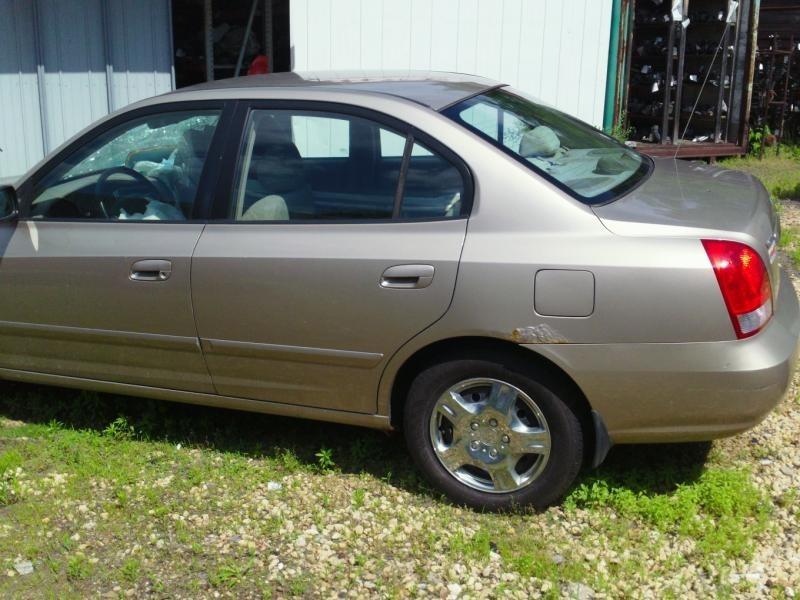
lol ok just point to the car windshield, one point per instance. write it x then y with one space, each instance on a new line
591 166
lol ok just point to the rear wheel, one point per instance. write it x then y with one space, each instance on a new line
490 437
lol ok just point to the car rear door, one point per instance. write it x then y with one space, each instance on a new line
95 275
337 239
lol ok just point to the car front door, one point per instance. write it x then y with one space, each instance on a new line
338 240
94 277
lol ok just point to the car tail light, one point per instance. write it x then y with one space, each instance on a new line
744 282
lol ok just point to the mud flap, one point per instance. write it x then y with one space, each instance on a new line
602 441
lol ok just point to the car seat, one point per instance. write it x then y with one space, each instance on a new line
190 158
278 168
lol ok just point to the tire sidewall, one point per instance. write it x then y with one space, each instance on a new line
566 454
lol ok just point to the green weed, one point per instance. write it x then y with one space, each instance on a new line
9 487
131 570
358 497
722 509
478 546
228 575
325 459
299 586
120 429
78 567
620 131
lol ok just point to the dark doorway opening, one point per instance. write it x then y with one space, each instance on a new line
217 39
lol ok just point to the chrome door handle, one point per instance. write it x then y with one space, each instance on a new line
151 270
407 276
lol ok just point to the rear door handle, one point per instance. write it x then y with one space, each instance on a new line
407 276
151 270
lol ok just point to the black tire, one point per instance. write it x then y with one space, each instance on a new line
566 454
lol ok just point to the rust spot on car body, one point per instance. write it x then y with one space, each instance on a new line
538 334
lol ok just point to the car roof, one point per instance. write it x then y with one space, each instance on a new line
434 89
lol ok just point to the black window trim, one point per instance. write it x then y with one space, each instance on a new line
220 210
208 177
400 190
453 111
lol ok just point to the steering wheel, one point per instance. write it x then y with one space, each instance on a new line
102 183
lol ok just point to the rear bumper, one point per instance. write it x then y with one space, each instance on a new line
686 392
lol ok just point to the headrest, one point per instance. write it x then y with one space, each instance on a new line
279 168
273 129
611 165
195 143
269 208
540 141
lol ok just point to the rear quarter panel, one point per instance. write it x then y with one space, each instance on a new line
654 289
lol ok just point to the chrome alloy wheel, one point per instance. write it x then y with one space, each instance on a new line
490 435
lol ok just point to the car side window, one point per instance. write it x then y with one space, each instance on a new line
323 166
433 187
321 137
393 145
308 165
148 168
483 118
495 123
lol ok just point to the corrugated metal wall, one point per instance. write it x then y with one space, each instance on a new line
57 60
20 124
556 50
140 45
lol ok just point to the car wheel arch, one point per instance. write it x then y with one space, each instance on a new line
486 348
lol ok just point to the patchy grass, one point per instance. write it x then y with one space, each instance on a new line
779 174
722 509
790 243
115 495
10 462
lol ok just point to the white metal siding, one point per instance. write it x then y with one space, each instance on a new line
71 36
20 127
141 49
556 50
75 56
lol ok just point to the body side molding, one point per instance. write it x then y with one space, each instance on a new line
259 406
326 356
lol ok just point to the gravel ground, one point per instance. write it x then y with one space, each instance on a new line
108 511
776 564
